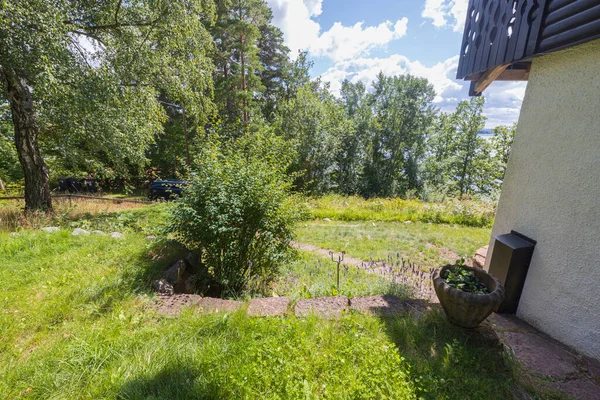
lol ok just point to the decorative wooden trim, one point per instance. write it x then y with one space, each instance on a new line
499 32
487 78
510 74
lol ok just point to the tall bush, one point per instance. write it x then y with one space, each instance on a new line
237 211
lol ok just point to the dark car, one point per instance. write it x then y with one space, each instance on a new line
74 185
166 189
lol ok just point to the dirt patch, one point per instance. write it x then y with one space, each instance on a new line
268 307
326 307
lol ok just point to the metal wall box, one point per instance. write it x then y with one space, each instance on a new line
509 262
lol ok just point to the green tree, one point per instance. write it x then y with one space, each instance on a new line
404 113
83 76
441 147
314 122
354 140
470 147
501 144
460 161
236 33
10 170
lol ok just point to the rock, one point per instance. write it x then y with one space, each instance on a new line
326 220
382 305
268 306
117 235
163 287
150 237
99 233
209 305
51 229
179 275
326 307
174 273
13 234
79 232
479 257
408 222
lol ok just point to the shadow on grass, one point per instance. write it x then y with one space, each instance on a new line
173 382
149 264
448 361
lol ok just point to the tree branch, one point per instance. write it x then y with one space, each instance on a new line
106 27
89 35
117 11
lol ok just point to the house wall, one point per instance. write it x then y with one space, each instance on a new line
551 194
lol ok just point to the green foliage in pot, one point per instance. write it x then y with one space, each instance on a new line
238 212
465 280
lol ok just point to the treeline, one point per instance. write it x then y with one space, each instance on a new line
134 91
387 139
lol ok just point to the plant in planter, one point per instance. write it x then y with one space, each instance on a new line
467 295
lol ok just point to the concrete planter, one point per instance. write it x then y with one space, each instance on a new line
466 309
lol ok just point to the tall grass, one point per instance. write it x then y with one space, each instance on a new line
13 217
451 211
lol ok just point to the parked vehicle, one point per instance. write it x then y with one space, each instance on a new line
74 185
166 189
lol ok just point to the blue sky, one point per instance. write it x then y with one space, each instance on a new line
355 39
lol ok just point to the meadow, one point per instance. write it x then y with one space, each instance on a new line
76 324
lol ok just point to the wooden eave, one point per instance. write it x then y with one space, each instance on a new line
502 37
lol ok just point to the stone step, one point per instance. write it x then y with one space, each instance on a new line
326 307
268 306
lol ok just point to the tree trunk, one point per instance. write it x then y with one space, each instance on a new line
1 184
37 188
243 62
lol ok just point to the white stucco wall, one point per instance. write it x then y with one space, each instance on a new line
551 193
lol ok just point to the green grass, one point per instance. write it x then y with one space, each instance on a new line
74 324
423 243
311 276
451 211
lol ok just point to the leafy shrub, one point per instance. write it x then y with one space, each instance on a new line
238 212
465 280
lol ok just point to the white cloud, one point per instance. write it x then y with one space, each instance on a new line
436 11
340 42
346 42
293 17
315 7
503 99
445 12
366 70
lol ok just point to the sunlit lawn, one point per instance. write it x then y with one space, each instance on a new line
75 324
422 243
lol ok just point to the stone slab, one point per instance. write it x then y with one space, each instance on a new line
209 305
581 389
381 305
480 256
327 307
172 305
509 323
541 356
268 306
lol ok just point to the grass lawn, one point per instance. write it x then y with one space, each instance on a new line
75 324
423 243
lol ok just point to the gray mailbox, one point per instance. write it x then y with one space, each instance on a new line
510 262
